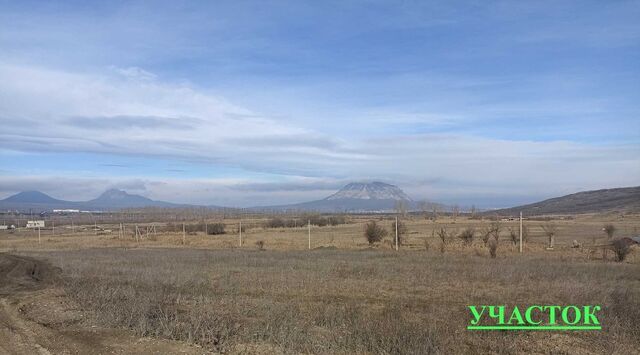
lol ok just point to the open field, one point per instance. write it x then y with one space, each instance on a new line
342 297
586 229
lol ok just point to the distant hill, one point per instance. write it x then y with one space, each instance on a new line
110 200
115 198
36 197
626 199
32 200
356 197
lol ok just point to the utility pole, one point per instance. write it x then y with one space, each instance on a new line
240 233
183 234
521 232
396 233
309 228
38 235
53 227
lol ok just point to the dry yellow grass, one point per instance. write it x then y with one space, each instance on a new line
345 296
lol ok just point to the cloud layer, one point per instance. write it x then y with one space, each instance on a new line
498 104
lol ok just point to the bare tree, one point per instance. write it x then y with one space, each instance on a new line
402 231
456 210
492 230
443 234
401 207
435 213
424 208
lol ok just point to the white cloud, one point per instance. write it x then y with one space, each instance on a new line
47 110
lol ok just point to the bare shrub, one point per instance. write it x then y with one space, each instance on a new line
467 235
493 230
550 231
215 229
336 220
513 236
374 232
486 234
275 222
260 244
443 235
493 247
609 230
621 248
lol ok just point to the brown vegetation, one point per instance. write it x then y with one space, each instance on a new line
374 233
344 301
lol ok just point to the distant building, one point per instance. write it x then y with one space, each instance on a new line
66 211
35 224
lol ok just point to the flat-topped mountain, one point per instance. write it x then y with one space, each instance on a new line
356 197
370 191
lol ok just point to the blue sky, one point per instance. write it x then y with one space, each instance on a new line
255 103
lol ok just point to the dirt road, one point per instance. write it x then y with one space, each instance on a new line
36 317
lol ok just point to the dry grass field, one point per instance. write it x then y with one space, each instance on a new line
344 296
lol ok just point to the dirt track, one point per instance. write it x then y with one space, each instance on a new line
36 317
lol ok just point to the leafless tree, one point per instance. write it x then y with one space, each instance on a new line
402 230
401 207
424 208
456 211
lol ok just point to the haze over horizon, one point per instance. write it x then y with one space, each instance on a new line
256 103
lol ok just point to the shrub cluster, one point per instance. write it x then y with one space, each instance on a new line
467 235
374 232
320 221
210 228
621 248
215 229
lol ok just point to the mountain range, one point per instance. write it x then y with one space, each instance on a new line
354 197
112 199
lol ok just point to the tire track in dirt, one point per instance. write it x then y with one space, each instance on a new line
36 317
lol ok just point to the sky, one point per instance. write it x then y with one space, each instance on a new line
247 103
